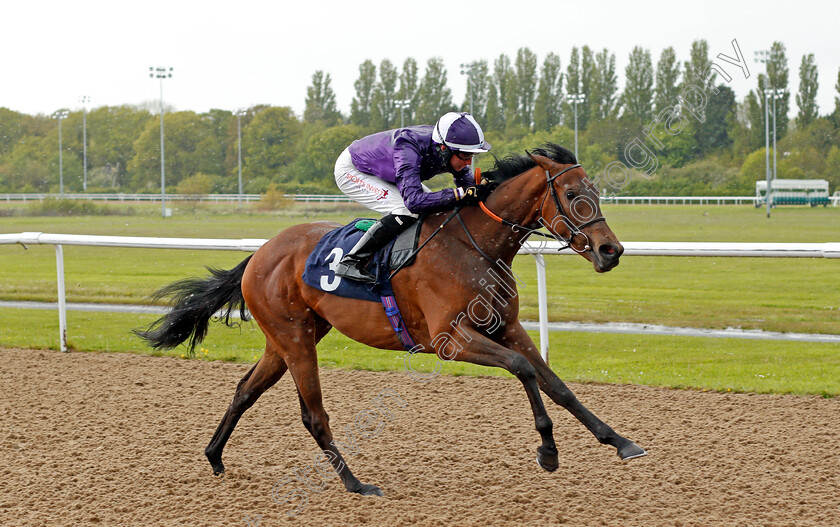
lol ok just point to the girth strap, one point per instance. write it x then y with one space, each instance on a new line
397 322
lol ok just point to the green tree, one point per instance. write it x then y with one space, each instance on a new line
190 148
806 99
112 133
478 85
753 169
604 86
549 94
756 116
324 147
667 77
581 78
270 143
513 125
494 120
638 92
836 115
223 133
832 169
713 133
577 82
698 70
434 96
801 163
28 167
679 149
502 76
360 106
573 85
320 101
819 136
11 129
526 85
777 77
409 82
387 89
198 184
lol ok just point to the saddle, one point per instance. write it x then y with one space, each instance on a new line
397 254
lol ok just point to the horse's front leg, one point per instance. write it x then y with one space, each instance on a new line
518 339
478 349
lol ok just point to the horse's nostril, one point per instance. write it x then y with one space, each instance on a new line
608 250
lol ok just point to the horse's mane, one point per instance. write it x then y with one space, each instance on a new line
513 165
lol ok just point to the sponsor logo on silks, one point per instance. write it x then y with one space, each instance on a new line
365 185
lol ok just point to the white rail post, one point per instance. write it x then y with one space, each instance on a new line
542 301
62 307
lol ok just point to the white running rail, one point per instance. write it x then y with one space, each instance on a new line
536 249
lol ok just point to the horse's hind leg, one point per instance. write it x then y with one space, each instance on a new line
304 369
262 376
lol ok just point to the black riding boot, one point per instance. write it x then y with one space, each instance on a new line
353 264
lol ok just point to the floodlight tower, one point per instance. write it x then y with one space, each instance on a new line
777 94
402 104
576 98
60 115
762 56
239 114
84 99
469 71
161 73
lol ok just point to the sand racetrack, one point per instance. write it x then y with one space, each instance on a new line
118 439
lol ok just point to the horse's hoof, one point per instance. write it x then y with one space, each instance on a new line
631 451
215 461
218 468
547 460
368 490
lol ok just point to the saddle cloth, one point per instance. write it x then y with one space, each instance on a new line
319 272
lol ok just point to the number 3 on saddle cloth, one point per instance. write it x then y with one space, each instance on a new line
320 269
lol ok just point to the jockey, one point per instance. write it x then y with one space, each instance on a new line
385 171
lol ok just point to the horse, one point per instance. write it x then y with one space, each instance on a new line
544 188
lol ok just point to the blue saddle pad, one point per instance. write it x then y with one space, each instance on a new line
326 255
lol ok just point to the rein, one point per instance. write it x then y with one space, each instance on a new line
417 250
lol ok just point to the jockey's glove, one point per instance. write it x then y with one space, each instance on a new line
471 195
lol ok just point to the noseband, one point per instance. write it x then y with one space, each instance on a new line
575 230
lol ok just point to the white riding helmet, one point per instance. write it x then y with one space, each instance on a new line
460 132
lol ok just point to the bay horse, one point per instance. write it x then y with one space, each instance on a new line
545 188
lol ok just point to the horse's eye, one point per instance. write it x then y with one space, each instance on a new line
570 195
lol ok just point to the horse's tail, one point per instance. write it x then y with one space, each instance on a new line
194 301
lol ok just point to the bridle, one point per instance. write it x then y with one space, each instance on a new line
575 230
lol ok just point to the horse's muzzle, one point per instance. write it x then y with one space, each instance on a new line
606 256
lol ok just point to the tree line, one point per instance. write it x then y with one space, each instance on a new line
520 101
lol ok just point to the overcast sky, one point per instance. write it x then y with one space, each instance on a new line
236 54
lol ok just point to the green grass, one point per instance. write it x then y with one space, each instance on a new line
675 362
795 295
775 294
772 294
725 223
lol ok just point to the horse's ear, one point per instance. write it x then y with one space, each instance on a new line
544 162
